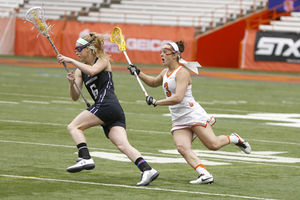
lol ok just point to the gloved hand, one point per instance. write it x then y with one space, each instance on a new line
132 68
150 101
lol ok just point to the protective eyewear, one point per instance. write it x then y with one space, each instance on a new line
167 51
79 48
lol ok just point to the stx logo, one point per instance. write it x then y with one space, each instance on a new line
266 46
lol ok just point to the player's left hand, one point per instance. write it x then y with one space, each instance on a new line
150 101
132 68
71 77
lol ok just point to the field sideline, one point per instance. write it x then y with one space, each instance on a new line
213 74
263 107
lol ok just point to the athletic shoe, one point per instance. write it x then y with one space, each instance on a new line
245 146
81 165
203 179
147 177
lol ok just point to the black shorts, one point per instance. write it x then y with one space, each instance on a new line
111 114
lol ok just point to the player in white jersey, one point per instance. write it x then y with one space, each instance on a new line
188 112
189 119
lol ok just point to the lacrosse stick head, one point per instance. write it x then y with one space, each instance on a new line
35 15
117 37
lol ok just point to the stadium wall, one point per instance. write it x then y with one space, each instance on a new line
221 47
143 42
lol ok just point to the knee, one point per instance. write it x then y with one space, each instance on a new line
183 149
121 147
71 128
213 146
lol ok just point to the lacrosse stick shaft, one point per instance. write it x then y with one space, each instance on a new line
77 86
136 76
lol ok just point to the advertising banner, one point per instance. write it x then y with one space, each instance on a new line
277 46
143 42
268 53
284 5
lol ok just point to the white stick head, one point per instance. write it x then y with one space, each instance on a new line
35 15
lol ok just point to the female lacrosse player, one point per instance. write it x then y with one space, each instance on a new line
189 119
96 74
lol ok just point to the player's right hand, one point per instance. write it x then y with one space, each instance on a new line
61 59
150 101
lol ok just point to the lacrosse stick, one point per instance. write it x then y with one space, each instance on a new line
117 37
35 15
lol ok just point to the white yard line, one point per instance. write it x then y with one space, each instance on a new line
35 102
64 102
131 187
29 122
53 145
264 158
9 102
140 131
33 95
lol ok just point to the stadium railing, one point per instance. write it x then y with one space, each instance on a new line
273 20
201 14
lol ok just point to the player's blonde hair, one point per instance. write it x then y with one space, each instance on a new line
97 41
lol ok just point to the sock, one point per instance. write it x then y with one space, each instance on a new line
201 169
232 139
83 151
142 164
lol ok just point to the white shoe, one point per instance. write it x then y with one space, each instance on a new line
245 146
81 165
203 179
147 177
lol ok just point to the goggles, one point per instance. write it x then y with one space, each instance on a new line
79 48
167 51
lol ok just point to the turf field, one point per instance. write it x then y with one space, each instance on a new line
36 148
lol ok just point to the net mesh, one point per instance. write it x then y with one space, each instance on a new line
117 38
35 15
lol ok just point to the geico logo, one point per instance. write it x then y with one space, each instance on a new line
266 46
145 44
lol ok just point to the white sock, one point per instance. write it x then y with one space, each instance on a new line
201 170
233 139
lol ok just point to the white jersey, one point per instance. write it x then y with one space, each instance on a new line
187 113
188 103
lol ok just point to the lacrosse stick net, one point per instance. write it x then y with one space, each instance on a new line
117 37
35 15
